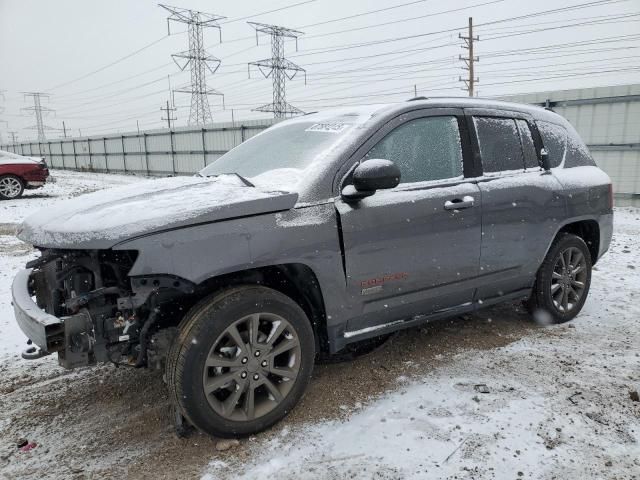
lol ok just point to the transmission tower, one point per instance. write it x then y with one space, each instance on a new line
197 59
14 136
469 61
278 67
38 110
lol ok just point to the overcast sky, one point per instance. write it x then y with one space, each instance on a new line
55 46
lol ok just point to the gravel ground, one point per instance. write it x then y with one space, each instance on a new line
558 402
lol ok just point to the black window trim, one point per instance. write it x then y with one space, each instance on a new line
498 113
346 169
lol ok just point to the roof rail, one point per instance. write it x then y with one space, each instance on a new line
417 98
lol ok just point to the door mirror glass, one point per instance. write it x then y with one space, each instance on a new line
372 175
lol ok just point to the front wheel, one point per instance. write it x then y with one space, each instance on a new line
563 281
10 187
241 362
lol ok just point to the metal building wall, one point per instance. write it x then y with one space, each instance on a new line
154 152
608 120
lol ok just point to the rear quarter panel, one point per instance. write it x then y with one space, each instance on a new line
586 193
27 172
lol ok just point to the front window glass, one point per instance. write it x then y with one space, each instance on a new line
424 149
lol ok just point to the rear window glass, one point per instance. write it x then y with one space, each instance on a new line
499 144
528 147
554 138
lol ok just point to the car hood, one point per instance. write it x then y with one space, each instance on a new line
19 160
102 219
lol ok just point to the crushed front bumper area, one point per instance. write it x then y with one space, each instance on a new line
51 334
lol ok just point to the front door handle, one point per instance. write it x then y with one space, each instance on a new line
459 203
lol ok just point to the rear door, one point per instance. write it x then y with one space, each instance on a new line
414 249
521 207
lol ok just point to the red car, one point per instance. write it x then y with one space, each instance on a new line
18 172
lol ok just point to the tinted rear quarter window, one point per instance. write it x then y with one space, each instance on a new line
554 138
499 144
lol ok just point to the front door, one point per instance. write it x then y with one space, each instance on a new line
413 250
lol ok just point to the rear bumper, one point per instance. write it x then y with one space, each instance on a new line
605 222
43 329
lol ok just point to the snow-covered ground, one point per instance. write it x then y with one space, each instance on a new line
485 396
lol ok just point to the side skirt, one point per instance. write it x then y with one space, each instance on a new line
343 338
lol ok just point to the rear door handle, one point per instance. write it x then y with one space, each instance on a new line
459 203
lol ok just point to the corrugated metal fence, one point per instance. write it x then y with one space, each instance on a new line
608 120
157 152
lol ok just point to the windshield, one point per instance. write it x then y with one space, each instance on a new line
286 153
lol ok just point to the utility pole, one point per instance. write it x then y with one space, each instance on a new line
38 110
278 67
168 111
197 59
470 60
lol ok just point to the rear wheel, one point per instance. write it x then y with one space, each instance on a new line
563 281
241 362
11 187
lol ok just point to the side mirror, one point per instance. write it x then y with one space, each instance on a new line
369 176
544 158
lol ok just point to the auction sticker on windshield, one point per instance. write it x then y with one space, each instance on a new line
328 127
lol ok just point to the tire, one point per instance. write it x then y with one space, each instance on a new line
547 307
11 187
250 386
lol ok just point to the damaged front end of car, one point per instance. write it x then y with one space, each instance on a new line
83 305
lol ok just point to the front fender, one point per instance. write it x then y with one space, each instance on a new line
306 235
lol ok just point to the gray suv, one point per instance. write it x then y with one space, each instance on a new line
320 234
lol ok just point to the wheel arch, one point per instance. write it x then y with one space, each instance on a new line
296 280
589 231
586 228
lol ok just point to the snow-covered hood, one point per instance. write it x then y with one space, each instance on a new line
8 158
102 219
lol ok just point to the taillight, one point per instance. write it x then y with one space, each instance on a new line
610 195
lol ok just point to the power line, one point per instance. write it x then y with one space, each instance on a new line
268 11
115 62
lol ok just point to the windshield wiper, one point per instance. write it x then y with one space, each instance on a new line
244 180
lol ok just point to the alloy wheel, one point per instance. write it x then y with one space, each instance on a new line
10 187
568 280
251 367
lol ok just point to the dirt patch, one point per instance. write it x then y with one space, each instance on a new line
8 229
110 423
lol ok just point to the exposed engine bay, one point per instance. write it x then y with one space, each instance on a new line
106 315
